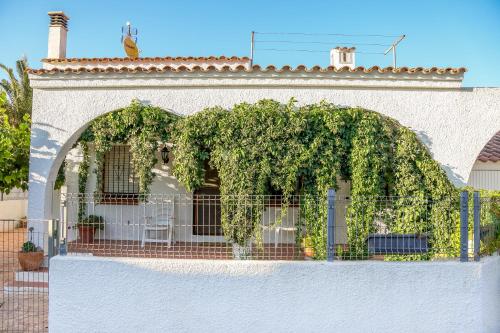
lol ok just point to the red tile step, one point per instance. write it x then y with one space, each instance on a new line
21 286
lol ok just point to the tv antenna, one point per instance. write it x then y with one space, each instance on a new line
393 48
129 40
375 44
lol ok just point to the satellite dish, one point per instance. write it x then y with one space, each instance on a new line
129 40
130 47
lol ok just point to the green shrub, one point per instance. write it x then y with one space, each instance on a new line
29 246
92 221
269 147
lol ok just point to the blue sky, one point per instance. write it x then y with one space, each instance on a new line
442 33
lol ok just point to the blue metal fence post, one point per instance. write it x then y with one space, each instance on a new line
477 226
464 225
330 240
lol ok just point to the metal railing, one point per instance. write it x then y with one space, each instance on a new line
486 225
270 227
417 228
398 228
24 274
187 226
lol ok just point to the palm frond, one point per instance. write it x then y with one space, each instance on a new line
19 92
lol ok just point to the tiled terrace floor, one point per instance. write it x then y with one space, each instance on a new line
182 250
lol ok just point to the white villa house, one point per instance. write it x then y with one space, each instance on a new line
454 122
132 276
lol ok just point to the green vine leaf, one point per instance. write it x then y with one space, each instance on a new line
272 148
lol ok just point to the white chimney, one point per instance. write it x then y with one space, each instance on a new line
343 57
58 30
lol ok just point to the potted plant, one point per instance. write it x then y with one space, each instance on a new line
30 257
240 219
87 227
307 247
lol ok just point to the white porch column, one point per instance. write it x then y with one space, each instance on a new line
42 174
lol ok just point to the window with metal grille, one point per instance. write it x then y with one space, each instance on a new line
119 180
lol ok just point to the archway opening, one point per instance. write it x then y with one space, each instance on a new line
485 173
266 149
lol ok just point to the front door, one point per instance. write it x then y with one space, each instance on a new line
206 206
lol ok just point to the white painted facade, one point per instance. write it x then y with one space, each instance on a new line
96 294
454 123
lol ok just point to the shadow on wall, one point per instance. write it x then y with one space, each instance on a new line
454 177
424 138
43 150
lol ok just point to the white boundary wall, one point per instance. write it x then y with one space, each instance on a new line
13 206
97 294
13 209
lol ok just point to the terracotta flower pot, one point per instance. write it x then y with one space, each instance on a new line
86 234
30 261
307 248
242 252
309 252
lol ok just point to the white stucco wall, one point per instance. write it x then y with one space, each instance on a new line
97 294
454 123
14 205
13 209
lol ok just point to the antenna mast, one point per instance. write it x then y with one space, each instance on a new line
252 43
302 38
393 48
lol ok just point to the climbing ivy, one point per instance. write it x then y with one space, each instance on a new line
141 126
83 174
268 147
61 176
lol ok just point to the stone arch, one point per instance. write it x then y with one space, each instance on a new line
49 147
485 173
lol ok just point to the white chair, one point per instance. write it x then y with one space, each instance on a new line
159 221
277 228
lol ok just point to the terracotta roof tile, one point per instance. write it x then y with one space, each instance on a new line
491 151
241 68
144 59
345 49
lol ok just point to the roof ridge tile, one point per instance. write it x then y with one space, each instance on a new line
254 68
